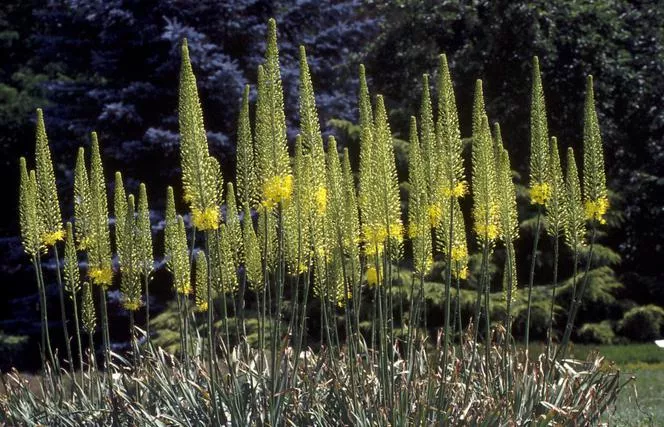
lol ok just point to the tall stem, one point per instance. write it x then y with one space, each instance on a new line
147 307
531 277
577 300
46 338
210 328
63 313
556 243
78 332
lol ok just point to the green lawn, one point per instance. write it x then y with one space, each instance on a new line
645 362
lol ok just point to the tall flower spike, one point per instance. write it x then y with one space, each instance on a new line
144 233
298 216
431 167
198 180
448 136
247 187
337 222
49 207
387 184
82 203
28 204
178 259
595 199
88 315
485 198
366 150
100 245
574 227
130 280
312 141
556 209
71 270
252 261
540 189
274 173
509 273
170 228
352 228
233 227
419 219
509 222
120 212
201 281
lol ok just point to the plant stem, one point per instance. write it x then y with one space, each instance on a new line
531 277
45 336
556 243
577 300
63 313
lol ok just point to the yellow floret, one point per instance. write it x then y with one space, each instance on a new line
596 209
102 276
50 239
277 189
459 190
207 219
320 197
539 194
372 276
435 214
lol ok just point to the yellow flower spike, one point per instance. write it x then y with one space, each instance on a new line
448 135
207 219
539 140
556 205
82 199
47 193
29 220
99 252
201 281
574 226
88 315
595 196
247 186
199 177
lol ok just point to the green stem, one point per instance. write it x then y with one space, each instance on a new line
78 332
556 243
46 338
577 301
210 330
531 277
147 307
63 313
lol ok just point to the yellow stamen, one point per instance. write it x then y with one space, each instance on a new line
539 194
207 219
459 190
435 214
102 276
50 239
277 189
596 209
132 305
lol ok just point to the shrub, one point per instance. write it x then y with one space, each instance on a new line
643 323
597 333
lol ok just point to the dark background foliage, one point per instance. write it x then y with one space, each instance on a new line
112 66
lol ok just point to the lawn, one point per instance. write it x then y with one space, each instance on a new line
645 406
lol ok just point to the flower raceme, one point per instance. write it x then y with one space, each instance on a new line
596 202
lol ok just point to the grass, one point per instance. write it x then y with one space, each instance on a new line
642 403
